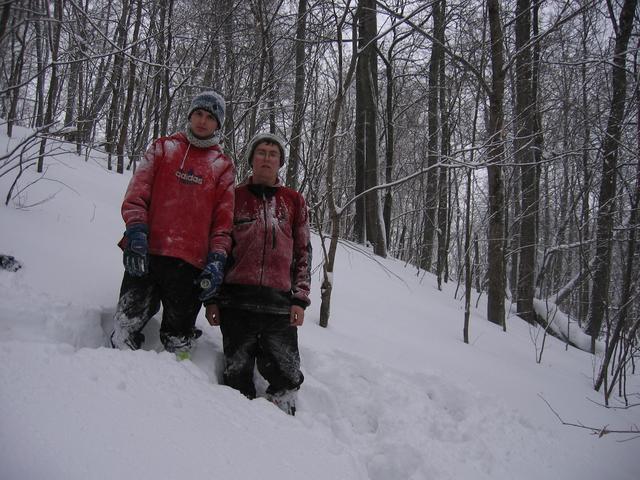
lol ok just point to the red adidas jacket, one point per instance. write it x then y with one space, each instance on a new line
270 264
185 196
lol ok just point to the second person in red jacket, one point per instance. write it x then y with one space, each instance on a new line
267 280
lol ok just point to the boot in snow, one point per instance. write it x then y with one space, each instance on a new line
180 345
131 342
284 400
181 356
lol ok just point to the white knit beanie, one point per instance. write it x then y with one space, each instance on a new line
265 138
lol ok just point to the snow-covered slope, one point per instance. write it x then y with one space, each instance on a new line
391 391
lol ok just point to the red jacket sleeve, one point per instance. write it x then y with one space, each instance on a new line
222 224
135 206
301 278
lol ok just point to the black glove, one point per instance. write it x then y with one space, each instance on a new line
211 277
136 250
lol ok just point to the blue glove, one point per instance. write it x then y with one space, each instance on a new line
136 250
211 277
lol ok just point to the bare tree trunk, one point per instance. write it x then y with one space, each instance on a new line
524 154
90 109
158 27
298 97
330 255
515 194
389 143
476 263
166 95
230 68
443 172
467 260
443 221
72 93
4 18
80 101
113 116
626 354
161 98
272 87
537 123
469 268
431 193
626 296
606 208
360 147
16 76
258 84
124 124
495 301
627 279
38 119
76 47
585 220
366 117
52 98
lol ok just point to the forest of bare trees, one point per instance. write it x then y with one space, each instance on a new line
493 143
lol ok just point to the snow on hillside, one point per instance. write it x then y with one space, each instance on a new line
391 391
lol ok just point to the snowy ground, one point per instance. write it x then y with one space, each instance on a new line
391 391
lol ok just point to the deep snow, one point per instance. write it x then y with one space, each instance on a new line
391 391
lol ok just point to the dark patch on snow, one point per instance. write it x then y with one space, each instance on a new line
7 262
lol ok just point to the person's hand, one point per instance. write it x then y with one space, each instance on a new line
212 312
136 250
211 277
296 315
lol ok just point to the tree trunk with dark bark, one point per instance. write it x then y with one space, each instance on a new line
599 300
524 154
366 118
496 271
298 97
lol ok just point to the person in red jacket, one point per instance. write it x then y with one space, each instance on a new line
178 211
267 280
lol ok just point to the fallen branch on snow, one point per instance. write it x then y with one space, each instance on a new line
599 431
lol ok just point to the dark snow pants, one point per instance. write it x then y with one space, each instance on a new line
170 282
263 338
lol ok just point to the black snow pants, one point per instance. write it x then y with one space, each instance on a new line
265 339
170 282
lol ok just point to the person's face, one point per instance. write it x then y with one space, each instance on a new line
266 163
203 124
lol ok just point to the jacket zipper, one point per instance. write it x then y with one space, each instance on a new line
266 232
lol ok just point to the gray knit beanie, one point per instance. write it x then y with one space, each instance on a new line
265 138
211 102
